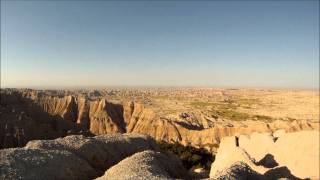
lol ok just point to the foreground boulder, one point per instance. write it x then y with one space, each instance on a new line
101 152
147 165
72 157
237 171
20 163
278 155
233 162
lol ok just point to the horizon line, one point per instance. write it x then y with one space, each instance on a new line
100 87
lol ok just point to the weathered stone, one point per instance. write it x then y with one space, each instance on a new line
147 165
292 155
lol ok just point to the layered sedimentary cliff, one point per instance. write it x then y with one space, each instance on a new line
146 121
28 114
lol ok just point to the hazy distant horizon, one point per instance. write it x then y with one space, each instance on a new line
159 87
246 44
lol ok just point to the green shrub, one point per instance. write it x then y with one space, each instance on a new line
190 156
263 118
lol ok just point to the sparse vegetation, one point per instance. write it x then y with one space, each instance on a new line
247 103
228 109
291 119
231 114
202 104
263 118
191 157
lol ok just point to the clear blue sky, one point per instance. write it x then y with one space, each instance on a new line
177 43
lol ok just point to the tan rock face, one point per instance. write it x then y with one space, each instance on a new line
99 116
257 144
105 117
83 113
299 151
29 115
291 155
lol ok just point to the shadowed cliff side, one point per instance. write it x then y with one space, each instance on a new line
29 115
22 120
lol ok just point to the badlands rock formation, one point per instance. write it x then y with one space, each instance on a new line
147 165
268 156
79 157
265 154
28 114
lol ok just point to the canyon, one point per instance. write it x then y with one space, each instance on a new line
32 114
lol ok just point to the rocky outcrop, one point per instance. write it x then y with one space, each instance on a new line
105 117
145 121
72 157
27 115
238 171
21 163
98 116
282 155
147 165
22 120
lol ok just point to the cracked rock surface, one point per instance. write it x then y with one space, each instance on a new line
79 157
